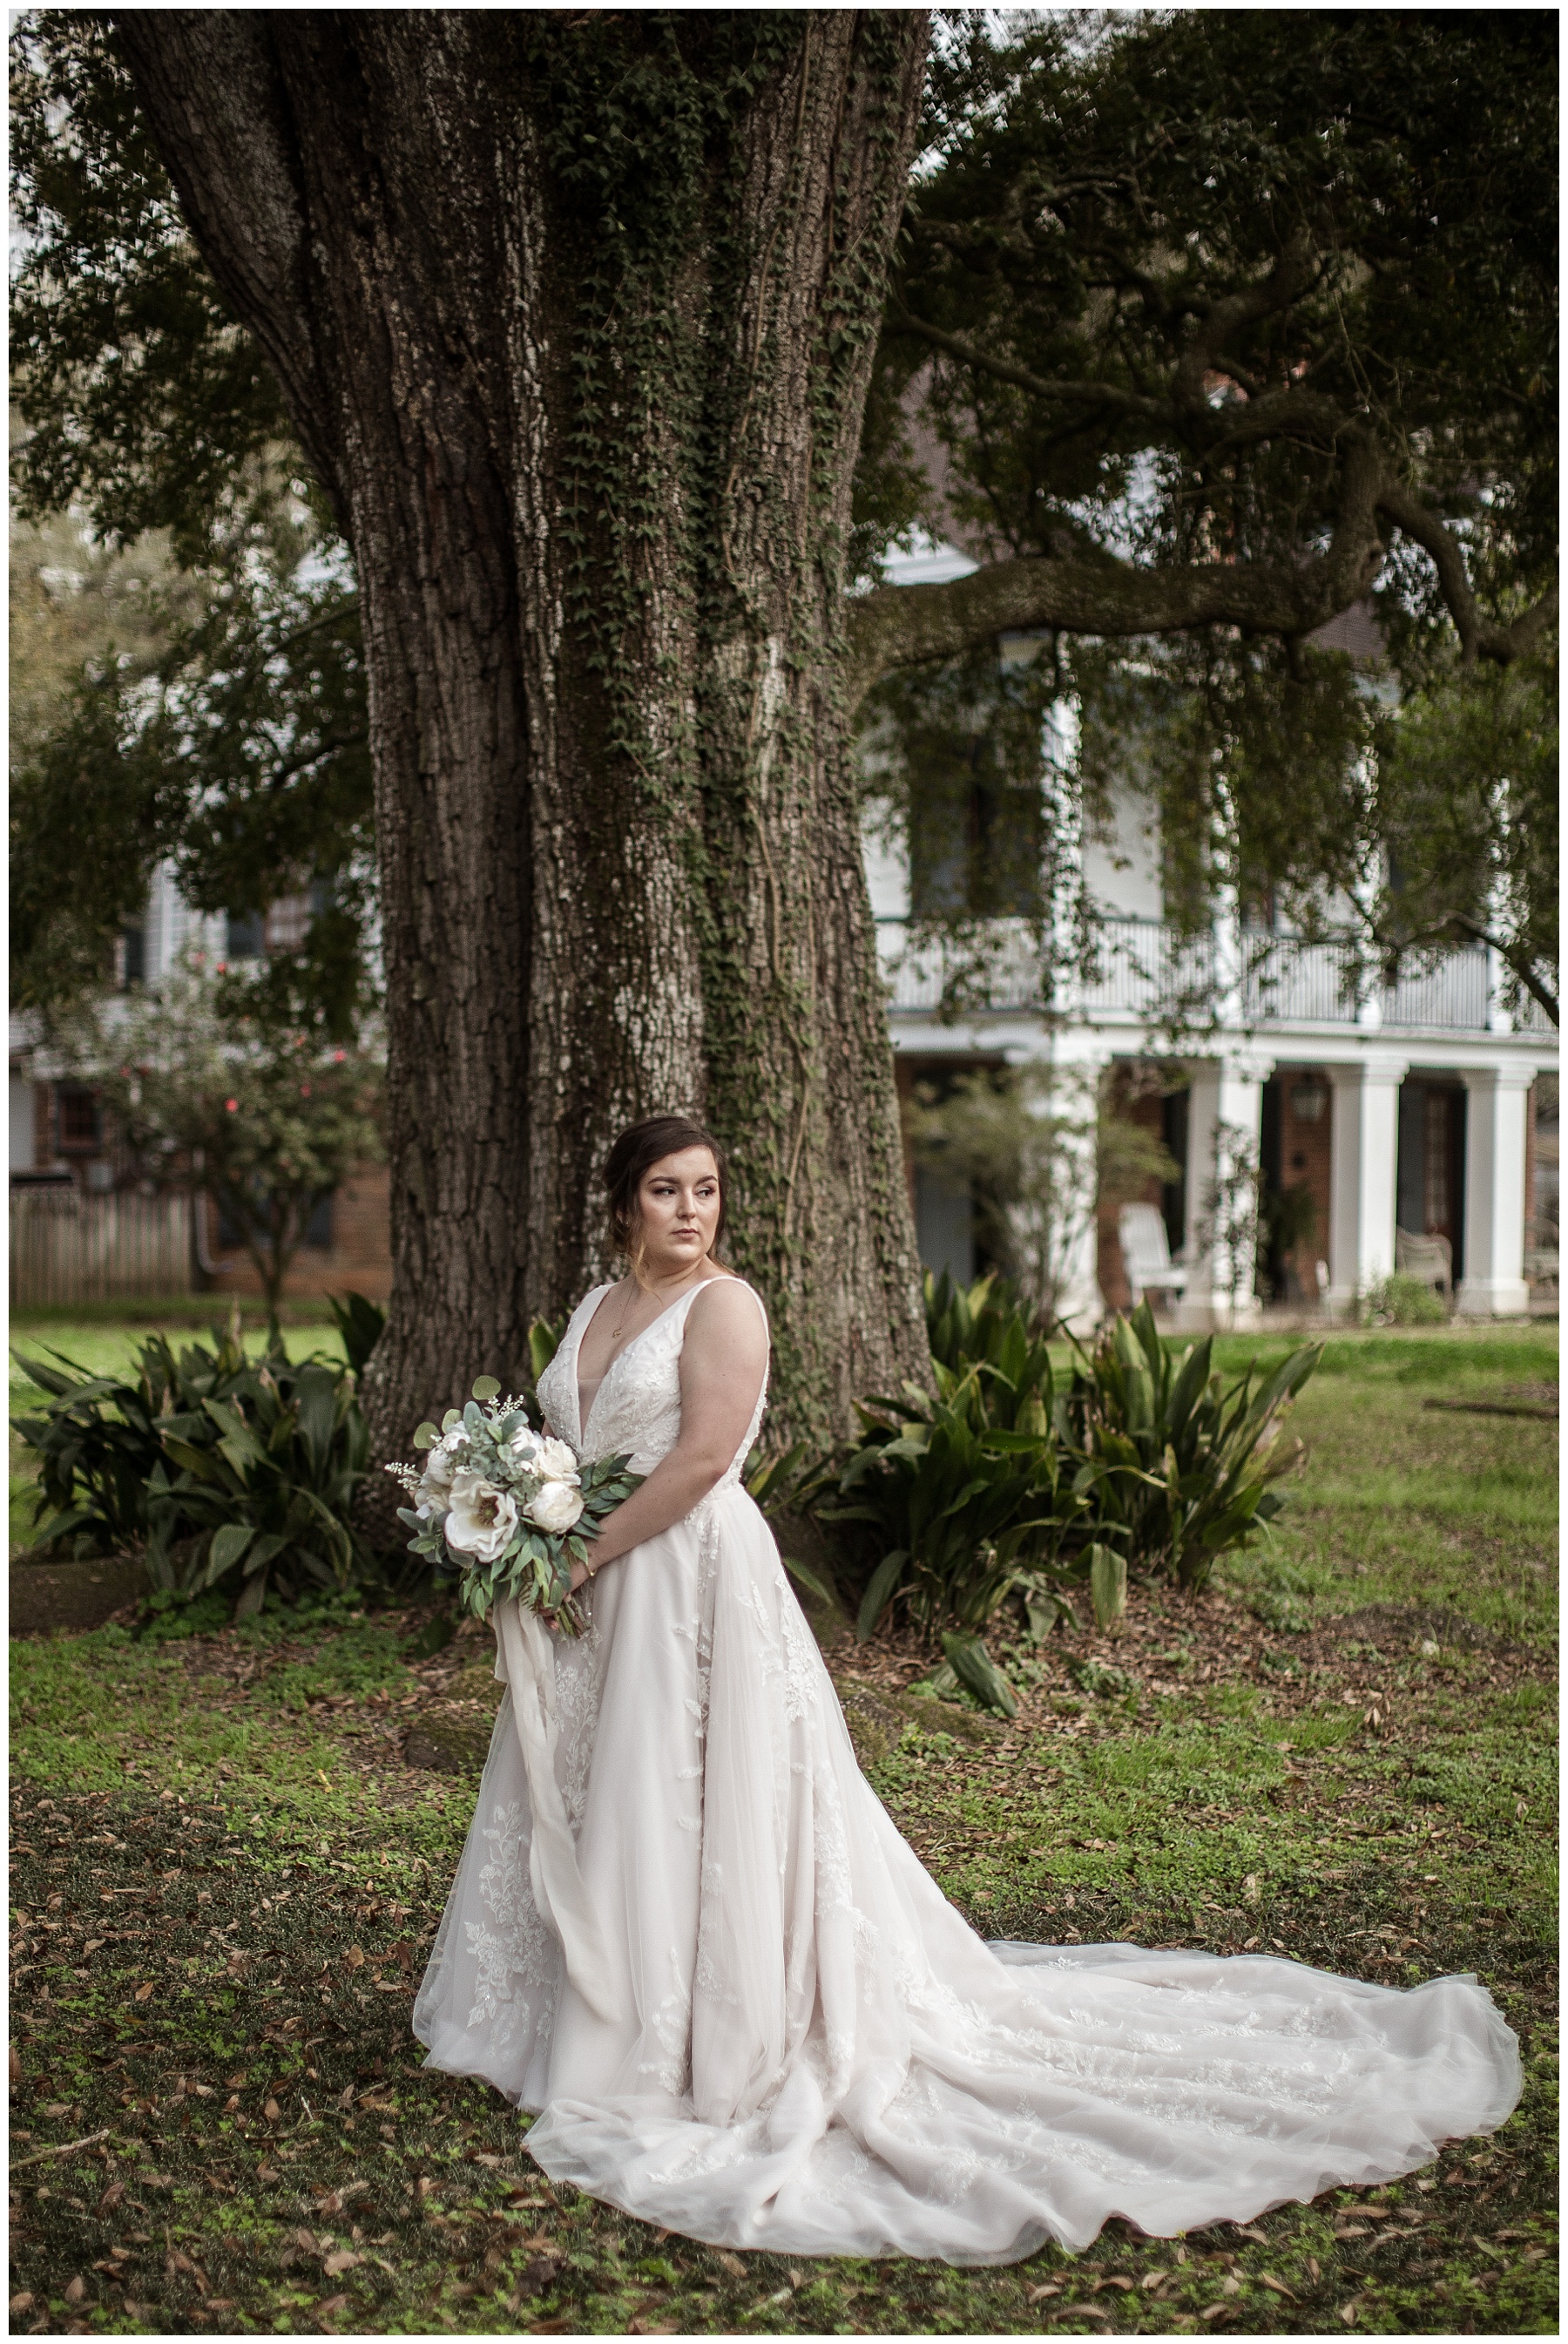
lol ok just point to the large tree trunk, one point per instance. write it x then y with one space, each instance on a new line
575 314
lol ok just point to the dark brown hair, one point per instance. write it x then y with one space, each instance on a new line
641 1147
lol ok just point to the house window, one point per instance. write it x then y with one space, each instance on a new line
976 843
246 935
131 957
78 1120
287 922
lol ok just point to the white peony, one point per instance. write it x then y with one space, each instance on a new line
556 1507
556 1460
482 1519
523 1448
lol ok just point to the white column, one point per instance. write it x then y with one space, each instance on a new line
1225 1130
1363 1174
1494 1285
1064 859
1079 1067
1074 1062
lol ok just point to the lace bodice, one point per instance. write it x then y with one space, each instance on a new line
637 1408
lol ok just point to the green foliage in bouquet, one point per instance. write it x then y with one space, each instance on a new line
505 1510
229 1471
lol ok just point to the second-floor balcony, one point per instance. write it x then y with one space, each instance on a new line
1147 972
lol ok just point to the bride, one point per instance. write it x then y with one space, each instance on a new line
686 1933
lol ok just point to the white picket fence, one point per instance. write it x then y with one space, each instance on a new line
66 1246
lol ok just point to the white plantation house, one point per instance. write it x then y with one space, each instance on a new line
1411 1117
1408 1113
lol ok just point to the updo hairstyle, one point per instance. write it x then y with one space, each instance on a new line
639 1147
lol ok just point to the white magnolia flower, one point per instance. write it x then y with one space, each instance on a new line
556 1460
557 1506
482 1519
441 1465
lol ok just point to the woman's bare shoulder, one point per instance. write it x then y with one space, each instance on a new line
726 1306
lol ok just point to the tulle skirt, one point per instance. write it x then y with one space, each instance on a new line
796 2043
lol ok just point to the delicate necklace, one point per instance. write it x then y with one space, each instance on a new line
616 1331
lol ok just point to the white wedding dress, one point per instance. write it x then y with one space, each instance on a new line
685 1932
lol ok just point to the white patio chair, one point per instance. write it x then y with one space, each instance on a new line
1430 1258
1146 1252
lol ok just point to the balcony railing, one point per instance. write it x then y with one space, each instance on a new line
1145 971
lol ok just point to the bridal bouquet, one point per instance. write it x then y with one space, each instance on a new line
507 1508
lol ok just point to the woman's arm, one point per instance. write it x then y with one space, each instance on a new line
723 1364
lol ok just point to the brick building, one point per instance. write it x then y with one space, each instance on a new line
59 1134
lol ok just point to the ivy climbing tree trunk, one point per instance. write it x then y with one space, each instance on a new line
575 314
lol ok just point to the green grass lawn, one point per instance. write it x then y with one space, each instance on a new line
224 1877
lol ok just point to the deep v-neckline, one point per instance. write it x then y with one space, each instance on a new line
584 1421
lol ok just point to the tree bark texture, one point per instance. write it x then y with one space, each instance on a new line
575 314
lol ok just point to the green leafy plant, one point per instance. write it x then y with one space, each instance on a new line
962 1512
1401 1301
226 1470
1107 1584
96 1444
544 1342
1186 1467
1011 1483
359 1322
1099 1678
975 1671
788 1484
981 1327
